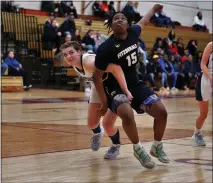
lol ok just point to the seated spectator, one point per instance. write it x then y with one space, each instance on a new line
165 46
153 70
162 20
174 50
171 37
68 25
137 15
179 70
105 9
111 8
88 41
99 38
199 24
192 47
16 69
167 71
186 56
68 7
198 70
180 46
129 11
96 9
189 70
158 44
77 36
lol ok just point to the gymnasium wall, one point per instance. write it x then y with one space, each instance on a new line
183 12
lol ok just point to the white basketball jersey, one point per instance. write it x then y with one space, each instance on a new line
83 73
210 64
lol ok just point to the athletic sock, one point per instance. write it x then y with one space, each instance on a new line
97 130
115 138
137 146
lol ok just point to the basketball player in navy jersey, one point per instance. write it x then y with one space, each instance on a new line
203 92
121 48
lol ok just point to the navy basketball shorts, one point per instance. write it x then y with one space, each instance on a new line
143 98
203 89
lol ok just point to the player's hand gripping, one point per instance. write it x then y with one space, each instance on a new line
103 109
129 95
157 8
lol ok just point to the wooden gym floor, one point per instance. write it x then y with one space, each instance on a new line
45 139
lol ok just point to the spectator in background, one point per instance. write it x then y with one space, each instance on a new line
162 20
16 69
137 15
96 9
198 70
174 50
198 23
105 9
50 36
192 47
68 7
129 11
111 8
167 71
153 70
188 69
77 36
165 45
171 37
68 25
88 41
99 38
180 46
186 56
52 17
158 44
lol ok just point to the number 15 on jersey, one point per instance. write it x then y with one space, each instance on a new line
132 59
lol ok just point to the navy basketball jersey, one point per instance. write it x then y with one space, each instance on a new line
121 52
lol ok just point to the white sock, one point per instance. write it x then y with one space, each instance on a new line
137 146
156 143
197 130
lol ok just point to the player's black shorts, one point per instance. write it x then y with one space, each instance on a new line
143 96
198 89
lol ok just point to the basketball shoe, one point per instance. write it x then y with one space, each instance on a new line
199 140
113 151
96 140
158 152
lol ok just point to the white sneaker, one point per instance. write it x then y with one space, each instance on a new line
96 140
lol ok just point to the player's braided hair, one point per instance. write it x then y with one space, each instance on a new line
77 46
109 21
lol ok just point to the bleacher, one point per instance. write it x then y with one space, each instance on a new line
28 29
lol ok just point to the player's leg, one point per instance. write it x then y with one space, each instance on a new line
121 106
93 120
202 92
145 100
197 136
113 133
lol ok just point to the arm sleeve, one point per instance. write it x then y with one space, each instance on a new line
101 59
136 29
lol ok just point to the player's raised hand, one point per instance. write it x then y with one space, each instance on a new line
157 8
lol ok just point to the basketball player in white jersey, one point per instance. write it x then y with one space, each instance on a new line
203 93
83 64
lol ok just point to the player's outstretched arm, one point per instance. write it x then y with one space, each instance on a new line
97 79
156 8
117 72
207 52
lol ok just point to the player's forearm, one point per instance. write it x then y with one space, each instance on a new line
99 87
119 76
146 17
